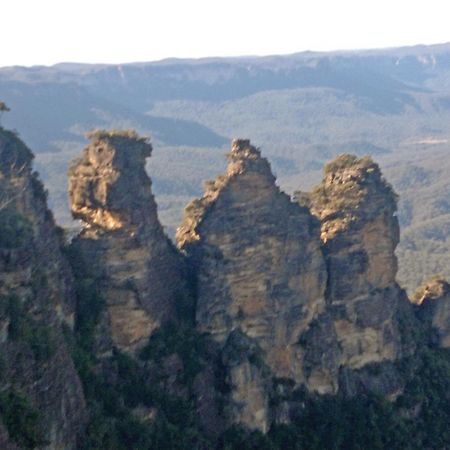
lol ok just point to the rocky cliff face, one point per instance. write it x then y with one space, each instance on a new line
289 294
359 231
137 270
36 300
291 297
359 227
260 273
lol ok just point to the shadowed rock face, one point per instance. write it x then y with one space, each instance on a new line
22 193
433 299
36 298
123 243
259 268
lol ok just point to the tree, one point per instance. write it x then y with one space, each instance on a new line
3 108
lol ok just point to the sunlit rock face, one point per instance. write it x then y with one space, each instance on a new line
122 242
36 301
260 270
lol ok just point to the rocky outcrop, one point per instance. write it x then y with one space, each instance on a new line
41 399
260 273
136 269
359 230
433 298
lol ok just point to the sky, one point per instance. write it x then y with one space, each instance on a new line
46 32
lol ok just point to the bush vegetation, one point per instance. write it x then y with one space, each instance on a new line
24 328
21 420
15 230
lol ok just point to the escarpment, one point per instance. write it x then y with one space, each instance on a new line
134 266
260 271
41 399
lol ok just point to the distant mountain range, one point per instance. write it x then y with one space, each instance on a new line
301 109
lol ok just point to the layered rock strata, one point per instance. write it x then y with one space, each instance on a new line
260 274
36 301
137 270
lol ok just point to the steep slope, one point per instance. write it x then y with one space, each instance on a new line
133 265
41 400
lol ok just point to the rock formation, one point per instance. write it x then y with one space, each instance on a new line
137 270
260 261
260 272
359 227
291 296
433 299
36 299
359 231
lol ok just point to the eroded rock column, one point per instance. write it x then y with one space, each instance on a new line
260 273
359 230
122 242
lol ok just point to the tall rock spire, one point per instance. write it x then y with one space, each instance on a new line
356 208
138 270
359 227
260 273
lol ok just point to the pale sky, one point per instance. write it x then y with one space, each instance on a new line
119 31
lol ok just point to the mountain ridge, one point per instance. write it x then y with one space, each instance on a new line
420 48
